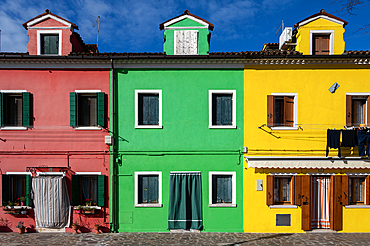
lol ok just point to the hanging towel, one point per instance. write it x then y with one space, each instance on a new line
349 138
333 141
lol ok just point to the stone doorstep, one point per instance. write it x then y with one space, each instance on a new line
55 230
321 231
184 231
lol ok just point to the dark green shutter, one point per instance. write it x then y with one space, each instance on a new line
222 109
153 189
6 189
28 190
1 110
153 109
76 190
73 102
221 189
148 189
101 190
50 44
101 109
26 101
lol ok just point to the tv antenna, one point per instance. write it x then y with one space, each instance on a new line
97 35
281 27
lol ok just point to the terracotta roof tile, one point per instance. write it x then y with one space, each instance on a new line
186 12
322 12
47 11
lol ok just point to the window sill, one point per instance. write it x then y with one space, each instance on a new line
278 128
357 206
88 207
88 128
149 205
283 206
149 127
17 207
222 205
17 128
222 127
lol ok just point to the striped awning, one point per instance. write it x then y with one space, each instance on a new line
310 163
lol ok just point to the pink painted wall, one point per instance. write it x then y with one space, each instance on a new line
51 142
66 41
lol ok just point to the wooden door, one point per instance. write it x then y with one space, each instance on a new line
306 202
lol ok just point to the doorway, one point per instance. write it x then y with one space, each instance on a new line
320 209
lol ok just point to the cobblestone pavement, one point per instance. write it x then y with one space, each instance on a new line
13 238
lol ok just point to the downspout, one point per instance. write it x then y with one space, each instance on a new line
112 212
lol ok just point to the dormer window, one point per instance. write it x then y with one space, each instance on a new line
322 42
49 42
186 42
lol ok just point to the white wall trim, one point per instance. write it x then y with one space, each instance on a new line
48 28
35 21
13 128
295 113
13 91
358 94
331 42
159 204
137 92
210 93
40 32
50 173
184 17
18 173
186 27
87 91
233 180
283 206
87 173
323 17
94 128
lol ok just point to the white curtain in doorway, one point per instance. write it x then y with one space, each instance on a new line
51 200
320 202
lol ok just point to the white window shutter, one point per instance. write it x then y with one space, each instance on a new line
186 42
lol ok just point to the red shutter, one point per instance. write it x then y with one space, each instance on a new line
288 111
337 206
345 190
367 184
270 190
349 110
270 110
368 110
306 202
297 198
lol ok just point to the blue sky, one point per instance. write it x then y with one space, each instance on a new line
132 25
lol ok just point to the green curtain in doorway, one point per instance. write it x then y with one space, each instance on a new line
185 208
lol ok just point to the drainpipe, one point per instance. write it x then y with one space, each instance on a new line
112 212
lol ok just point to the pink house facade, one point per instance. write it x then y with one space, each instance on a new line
54 132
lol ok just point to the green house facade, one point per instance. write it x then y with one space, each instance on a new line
178 132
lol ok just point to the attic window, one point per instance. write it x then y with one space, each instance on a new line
321 42
49 42
186 42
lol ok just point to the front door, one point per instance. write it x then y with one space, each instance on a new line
185 206
320 209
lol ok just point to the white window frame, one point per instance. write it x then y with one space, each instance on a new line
360 95
137 92
153 205
331 41
87 127
233 180
22 128
233 93
175 42
43 32
295 113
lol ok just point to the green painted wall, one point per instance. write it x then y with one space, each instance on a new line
184 144
203 40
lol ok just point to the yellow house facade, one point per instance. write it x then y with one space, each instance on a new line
298 110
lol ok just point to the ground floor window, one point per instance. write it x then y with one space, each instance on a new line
88 190
356 190
16 190
148 189
222 189
282 190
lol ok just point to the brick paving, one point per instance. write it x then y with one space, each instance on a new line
203 238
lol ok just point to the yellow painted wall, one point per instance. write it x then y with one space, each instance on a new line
303 35
318 110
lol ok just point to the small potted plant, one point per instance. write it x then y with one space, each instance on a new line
23 200
97 227
78 209
21 227
89 210
88 202
75 227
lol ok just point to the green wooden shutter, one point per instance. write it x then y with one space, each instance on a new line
153 191
1 110
153 109
101 190
6 189
26 108
73 102
76 190
101 109
28 190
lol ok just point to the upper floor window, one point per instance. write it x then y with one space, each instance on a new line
87 109
148 108
49 42
15 109
322 42
282 110
357 109
186 42
222 109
